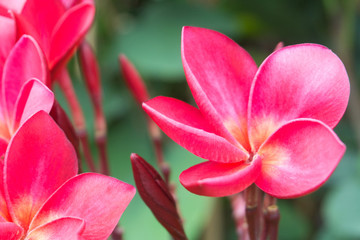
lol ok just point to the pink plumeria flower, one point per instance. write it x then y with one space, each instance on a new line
58 26
23 89
42 197
271 125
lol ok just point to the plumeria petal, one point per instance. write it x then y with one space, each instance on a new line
97 199
10 231
3 146
25 61
298 158
69 3
39 159
67 228
220 179
69 31
186 125
7 39
15 5
219 73
3 207
33 97
4 130
300 81
48 12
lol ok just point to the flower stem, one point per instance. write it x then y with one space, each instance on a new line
252 218
101 143
271 217
78 116
155 135
91 73
238 211
117 234
84 141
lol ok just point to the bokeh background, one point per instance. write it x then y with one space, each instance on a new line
149 33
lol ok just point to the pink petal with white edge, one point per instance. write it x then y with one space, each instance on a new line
298 158
300 81
97 199
220 179
39 159
70 29
219 73
10 231
25 61
60 229
15 5
186 126
33 97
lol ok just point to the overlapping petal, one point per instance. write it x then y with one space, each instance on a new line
186 125
69 30
300 81
3 207
3 145
37 153
15 5
97 199
69 3
4 129
219 73
48 12
298 158
220 179
34 97
58 30
25 62
7 39
67 228
10 231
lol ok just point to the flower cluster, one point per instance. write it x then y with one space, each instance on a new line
269 126
42 196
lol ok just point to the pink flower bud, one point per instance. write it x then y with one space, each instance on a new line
155 193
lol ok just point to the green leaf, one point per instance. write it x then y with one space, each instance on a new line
153 42
341 210
293 224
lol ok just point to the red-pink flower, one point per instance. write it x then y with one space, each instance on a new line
269 125
41 197
58 26
22 87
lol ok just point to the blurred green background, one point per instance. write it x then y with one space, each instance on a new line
149 32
